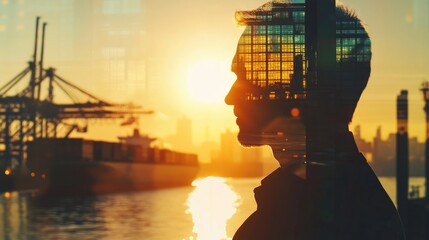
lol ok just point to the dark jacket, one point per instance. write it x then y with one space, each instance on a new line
342 201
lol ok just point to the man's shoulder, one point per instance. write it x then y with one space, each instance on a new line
278 185
281 176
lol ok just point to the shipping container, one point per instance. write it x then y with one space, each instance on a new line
67 149
42 151
138 154
156 155
97 150
117 152
166 156
88 150
106 151
130 153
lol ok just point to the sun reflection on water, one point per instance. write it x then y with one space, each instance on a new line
211 205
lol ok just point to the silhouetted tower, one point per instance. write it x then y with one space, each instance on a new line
320 24
376 144
402 154
230 148
425 90
297 81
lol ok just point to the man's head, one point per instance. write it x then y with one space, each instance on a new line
269 95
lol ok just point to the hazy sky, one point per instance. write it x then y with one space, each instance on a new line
188 32
194 41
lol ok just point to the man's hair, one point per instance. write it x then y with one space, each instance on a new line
271 54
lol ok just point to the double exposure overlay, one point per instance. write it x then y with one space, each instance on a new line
271 53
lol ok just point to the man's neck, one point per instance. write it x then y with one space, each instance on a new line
345 148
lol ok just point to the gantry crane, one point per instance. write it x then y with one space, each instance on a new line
26 115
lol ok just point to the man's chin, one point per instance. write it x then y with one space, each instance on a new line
249 139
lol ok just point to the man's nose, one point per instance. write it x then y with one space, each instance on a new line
229 98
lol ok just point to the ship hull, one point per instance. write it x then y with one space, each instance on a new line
85 166
107 177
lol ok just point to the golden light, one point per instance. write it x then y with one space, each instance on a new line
211 205
7 195
32 174
295 112
7 172
210 80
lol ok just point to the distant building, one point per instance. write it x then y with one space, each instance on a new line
181 140
251 154
207 151
233 160
384 150
184 134
230 149
384 155
363 145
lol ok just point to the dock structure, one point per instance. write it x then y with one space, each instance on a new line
425 91
413 208
402 153
30 112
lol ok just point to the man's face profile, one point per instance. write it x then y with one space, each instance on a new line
263 122
269 95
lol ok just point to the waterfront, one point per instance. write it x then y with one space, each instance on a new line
212 209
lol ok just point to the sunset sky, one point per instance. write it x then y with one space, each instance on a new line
188 48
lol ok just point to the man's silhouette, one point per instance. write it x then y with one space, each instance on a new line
344 199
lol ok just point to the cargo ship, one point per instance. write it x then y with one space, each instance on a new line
76 166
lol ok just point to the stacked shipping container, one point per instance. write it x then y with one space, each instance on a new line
69 149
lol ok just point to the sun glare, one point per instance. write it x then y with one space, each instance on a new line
211 205
209 81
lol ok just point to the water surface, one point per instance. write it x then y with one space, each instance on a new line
212 209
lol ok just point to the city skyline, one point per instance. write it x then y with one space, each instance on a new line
167 114
396 63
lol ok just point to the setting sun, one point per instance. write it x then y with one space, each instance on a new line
209 81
